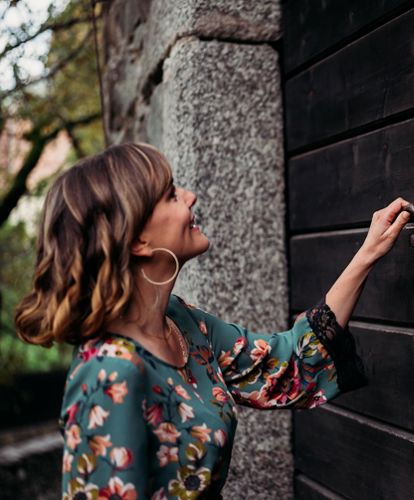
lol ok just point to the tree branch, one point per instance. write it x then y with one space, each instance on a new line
57 26
39 141
55 69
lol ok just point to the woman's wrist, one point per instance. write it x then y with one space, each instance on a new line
366 258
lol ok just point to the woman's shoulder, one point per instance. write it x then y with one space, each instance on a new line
110 351
178 302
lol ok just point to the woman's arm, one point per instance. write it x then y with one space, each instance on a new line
383 232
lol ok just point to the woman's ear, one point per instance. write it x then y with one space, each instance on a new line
141 248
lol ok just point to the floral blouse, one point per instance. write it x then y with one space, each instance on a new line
136 427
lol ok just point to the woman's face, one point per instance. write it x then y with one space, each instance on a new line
171 225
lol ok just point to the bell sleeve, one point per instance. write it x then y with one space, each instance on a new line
303 367
104 432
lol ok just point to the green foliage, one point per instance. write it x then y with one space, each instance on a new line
68 88
65 92
17 249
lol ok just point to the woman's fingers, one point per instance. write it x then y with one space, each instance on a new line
393 208
397 226
385 227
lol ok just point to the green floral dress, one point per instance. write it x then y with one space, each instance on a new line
136 427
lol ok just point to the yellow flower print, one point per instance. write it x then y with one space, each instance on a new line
77 488
190 482
86 463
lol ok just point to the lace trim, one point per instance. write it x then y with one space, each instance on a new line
340 344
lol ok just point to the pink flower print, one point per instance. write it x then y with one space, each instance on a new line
157 389
317 399
185 411
67 462
152 414
201 432
220 376
220 394
88 351
261 349
121 457
167 433
159 494
203 327
117 489
166 455
117 392
179 389
73 436
113 376
225 359
239 345
71 412
220 437
283 386
99 444
254 399
102 375
97 416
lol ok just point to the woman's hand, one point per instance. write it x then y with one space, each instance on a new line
385 227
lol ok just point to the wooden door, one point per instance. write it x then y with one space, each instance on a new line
349 123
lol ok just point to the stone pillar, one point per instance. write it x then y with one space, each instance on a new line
200 80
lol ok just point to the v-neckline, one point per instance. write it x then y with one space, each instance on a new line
146 350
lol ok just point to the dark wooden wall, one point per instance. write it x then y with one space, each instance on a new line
348 71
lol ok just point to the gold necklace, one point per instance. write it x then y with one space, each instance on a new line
162 336
181 341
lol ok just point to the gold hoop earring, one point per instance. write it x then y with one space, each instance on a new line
177 268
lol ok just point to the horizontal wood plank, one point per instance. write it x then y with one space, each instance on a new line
366 81
343 184
357 457
312 26
306 489
316 260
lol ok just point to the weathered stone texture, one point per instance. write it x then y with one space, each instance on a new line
141 33
223 136
176 77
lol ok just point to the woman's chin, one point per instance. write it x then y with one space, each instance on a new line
201 248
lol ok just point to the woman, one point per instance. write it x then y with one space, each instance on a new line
149 410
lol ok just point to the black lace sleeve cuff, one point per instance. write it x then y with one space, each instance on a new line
340 344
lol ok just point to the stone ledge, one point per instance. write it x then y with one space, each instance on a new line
13 454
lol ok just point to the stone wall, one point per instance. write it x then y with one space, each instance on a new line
200 80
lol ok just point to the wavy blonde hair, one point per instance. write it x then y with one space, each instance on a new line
84 270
